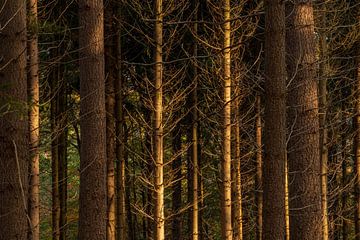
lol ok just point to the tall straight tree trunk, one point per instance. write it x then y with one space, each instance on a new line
357 141
158 125
177 186
304 155
34 119
226 225
14 129
323 69
110 121
58 151
194 137
238 227
120 136
258 179
287 210
92 215
275 122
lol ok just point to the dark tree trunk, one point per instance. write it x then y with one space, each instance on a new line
275 119
303 151
14 134
92 213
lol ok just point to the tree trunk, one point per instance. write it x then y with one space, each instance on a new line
34 119
226 226
121 232
158 125
110 121
92 215
304 156
14 131
238 228
323 68
176 195
258 179
275 122
357 144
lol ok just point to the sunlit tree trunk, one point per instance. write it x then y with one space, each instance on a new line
176 195
92 211
323 69
226 225
34 119
237 225
258 178
275 122
303 151
14 129
158 125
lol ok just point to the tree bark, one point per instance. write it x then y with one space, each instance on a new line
34 119
110 121
323 69
158 125
226 225
275 122
258 179
14 126
238 225
92 215
176 195
304 156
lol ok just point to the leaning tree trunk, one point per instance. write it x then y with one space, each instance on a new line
303 152
92 215
14 142
275 122
158 125
226 225
34 118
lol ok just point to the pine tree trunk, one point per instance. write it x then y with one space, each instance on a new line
92 213
238 228
226 225
176 195
304 155
14 126
357 145
323 68
110 121
34 120
258 179
275 122
158 125
121 232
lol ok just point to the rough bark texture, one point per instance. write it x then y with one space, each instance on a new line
158 125
33 86
110 121
92 216
275 119
226 225
258 180
304 155
14 135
